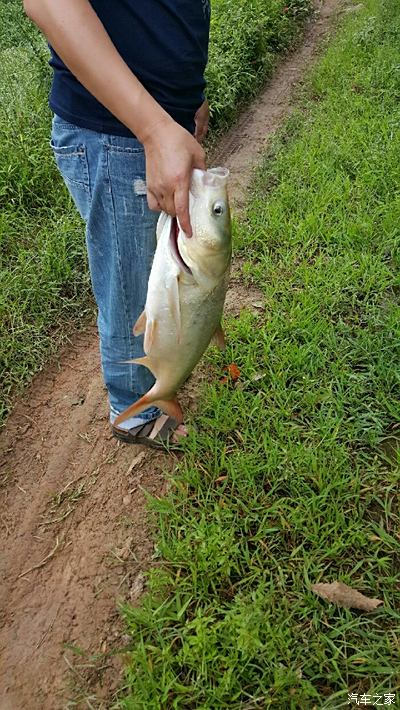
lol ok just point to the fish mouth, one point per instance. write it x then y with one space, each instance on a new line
173 240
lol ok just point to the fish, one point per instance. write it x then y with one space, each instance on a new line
186 293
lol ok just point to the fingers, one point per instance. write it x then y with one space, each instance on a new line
168 204
181 199
171 156
201 130
161 203
202 118
200 160
181 196
153 202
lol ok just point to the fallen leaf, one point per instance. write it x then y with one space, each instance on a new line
135 462
258 304
233 373
341 594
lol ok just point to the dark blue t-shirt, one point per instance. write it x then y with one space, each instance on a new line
165 44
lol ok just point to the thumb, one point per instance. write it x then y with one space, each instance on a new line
199 158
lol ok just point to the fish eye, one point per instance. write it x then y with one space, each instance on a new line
218 208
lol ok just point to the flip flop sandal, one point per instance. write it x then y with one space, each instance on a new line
157 433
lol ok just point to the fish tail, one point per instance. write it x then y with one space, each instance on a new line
170 407
151 398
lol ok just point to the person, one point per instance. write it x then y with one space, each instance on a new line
129 117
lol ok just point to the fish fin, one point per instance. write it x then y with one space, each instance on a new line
174 303
170 407
145 361
137 361
162 221
149 335
140 325
135 408
218 338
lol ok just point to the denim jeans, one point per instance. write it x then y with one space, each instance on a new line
105 176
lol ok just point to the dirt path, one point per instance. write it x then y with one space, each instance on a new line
75 534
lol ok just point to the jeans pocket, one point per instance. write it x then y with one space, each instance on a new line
127 175
73 165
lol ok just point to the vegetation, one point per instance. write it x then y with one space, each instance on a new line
43 271
246 37
43 274
292 476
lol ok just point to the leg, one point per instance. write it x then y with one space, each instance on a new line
106 177
121 243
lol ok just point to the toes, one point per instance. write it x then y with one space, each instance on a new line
179 433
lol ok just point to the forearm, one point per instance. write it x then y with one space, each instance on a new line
79 38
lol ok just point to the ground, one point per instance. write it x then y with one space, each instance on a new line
77 536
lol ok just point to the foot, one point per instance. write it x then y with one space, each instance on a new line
161 433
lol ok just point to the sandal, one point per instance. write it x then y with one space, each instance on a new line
157 433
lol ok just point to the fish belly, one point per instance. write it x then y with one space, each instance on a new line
174 355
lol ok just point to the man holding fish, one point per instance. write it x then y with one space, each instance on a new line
129 116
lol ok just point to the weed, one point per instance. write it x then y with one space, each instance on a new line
284 482
245 40
43 271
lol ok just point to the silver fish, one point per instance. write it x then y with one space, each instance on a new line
186 292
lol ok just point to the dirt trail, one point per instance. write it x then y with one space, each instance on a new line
76 538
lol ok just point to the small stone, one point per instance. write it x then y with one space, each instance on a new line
137 586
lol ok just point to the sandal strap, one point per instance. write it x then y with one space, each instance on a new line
163 426
157 432
142 429
160 428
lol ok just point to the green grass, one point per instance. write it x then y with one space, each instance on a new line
44 284
245 40
43 271
289 479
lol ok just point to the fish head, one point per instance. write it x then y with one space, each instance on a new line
207 253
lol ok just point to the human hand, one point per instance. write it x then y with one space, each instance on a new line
202 119
171 155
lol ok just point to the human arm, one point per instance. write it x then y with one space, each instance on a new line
79 38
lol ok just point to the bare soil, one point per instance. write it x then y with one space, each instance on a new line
76 535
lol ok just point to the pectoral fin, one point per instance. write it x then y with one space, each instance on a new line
174 304
151 326
218 338
140 325
163 220
145 361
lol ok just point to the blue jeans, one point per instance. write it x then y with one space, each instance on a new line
105 176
